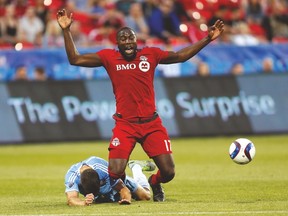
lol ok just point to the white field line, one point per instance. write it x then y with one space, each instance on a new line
170 213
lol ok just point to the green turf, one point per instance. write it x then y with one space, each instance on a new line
207 182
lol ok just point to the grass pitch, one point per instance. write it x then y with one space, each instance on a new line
207 181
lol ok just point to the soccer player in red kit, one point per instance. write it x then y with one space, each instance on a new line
131 71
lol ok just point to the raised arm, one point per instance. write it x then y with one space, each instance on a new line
84 60
188 52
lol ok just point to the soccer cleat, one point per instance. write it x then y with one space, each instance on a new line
158 192
145 165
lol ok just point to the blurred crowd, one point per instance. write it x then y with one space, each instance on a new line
33 24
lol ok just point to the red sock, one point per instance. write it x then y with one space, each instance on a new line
156 178
114 178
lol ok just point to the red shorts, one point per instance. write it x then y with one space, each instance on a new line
152 136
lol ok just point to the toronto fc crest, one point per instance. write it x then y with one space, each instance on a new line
144 65
115 142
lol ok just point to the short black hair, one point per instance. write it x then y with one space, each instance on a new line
124 29
90 181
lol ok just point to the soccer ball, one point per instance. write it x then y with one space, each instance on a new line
242 151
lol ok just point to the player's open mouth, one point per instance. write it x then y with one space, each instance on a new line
129 50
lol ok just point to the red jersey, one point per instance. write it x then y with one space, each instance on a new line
133 81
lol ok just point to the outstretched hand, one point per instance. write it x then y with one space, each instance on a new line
63 19
125 196
216 30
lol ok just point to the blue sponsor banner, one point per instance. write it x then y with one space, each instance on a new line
102 105
165 108
207 106
51 111
82 110
264 100
10 130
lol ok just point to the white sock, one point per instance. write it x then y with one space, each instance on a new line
139 176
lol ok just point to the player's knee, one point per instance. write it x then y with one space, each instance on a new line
168 175
117 166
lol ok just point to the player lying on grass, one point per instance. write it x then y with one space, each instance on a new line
90 178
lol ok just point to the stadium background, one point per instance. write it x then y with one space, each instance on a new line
75 103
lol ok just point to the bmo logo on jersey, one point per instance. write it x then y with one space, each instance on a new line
143 65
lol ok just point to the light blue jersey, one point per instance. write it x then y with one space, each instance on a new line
106 193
